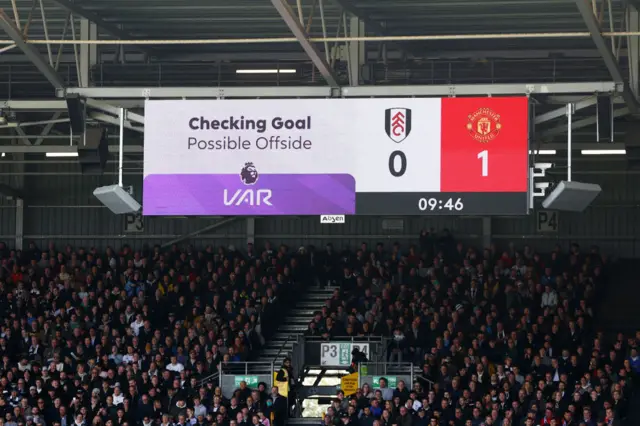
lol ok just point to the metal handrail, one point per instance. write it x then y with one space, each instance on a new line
375 364
242 367
386 372
431 382
282 347
356 339
209 378
386 345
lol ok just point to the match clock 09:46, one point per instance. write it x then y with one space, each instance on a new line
435 204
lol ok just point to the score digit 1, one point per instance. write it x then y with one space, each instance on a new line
484 157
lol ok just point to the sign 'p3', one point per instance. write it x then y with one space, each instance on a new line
339 354
133 223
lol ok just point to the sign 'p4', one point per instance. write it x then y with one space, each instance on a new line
547 221
340 354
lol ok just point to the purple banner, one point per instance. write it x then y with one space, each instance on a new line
239 195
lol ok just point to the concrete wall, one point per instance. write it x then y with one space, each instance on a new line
60 207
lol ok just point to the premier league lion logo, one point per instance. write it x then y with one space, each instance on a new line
249 174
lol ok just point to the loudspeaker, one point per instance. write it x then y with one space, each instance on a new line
571 196
632 145
605 118
117 199
93 151
77 115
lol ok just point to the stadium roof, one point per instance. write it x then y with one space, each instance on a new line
122 51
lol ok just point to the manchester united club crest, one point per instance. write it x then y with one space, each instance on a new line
484 125
397 123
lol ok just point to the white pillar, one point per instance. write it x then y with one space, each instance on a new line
18 181
88 53
486 232
251 230
633 44
19 223
357 51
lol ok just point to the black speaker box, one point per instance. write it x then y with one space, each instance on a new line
632 145
93 151
605 118
77 115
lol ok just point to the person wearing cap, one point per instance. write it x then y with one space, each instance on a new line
285 374
357 357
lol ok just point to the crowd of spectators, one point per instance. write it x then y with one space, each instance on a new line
502 338
128 337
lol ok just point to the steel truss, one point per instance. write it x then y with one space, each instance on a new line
514 89
135 149
132 97
608 52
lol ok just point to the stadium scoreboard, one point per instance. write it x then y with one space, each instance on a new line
385 156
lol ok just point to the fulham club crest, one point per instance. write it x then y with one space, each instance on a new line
397 123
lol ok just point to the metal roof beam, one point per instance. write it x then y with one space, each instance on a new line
511 89
586 122
110 109
48 105
20 131
30 51
106 118
562 112
395 55
43 149
9 191
299 32
111 29
43 105
139 149
370 24
610 60
576 146
634 3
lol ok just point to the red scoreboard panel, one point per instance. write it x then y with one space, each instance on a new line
474 160
484 145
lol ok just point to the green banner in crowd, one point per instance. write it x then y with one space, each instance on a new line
252 381
392 382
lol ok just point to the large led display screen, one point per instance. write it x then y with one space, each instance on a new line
385 156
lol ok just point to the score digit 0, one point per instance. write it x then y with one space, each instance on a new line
392 163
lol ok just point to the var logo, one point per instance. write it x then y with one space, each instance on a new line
250 197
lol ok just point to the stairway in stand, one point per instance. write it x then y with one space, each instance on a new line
618 303
294 325
618 312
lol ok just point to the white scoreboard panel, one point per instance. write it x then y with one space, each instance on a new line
336 156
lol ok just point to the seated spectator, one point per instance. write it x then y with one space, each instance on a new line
501 338
136 337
